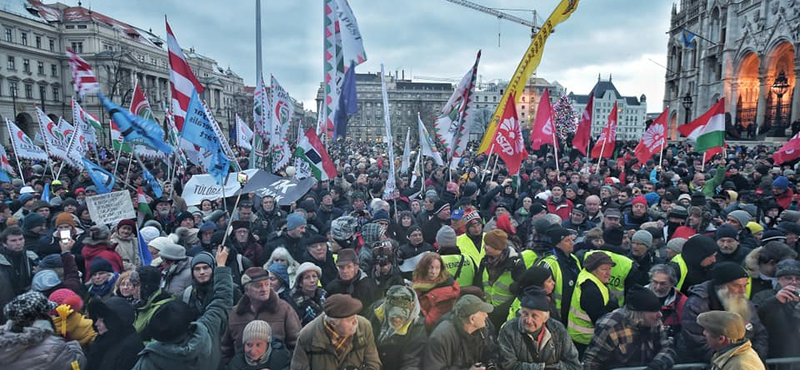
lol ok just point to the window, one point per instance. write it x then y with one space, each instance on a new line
24 37
81 26
70 26
38 42
29 91
77 47
55 94
12 65
52 45
9 35
12 88
40 68
42 92
54 70
26 65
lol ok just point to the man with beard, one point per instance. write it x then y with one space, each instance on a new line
781 312
662 282
441 217
164 214
557 204
676 217
725 334
631 336
726 291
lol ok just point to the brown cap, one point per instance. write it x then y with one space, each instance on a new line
254 274
346 256
729 324
339 306
497 239
597 259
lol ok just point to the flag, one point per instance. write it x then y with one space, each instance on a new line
136 130
789 151
406 153
83 78
116 138
583 135
414 172
5 164
311 151
102 179
261 111
388 191
243 134
143 210
155 187
530 60
428 149
352 43
508 142
348 103
77 147
686 38
282 114
452 126
708 130
23 145
87 122
54 142
604 147
46 192
182 81
141 108
544 127
654 139
199 130
226 148
144 252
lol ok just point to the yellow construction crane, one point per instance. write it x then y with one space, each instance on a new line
501 15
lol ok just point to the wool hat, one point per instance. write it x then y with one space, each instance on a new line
27 307
579 208
439 206
215 215
51 261
781 182
294 221
470 189
67 297
639 200
472 215
24 198
100 264
207 226
613 236
127 222
172 252
308 205
557 234
725 272
787 267
612 212
678 212
257 330
346 256
446 237
641 299
170 321
535 298
698 248
239 224
773 235
380 215
204 257
726 231
45 280
684 196
371 233
469 304
340 306
537 208
676 245
698 199
32 220
728 324
789 215
789 227
742 216
302 269
597 259
254 274
643 237
497 239
535 275
754 227
281 272
98 234
65 218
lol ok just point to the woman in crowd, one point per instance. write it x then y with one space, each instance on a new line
435 287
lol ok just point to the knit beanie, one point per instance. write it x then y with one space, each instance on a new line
171 321
725 272
781 182
726 231
639 200
51 261
698 248
676 245
446 237
32 220
754 227
149 233
257 330
294 221
65 218
67 297
204 257
100 264
613 236
536 275
641 299
497 239
643 237
535 298
742 216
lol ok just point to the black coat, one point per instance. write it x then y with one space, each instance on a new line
362 287
119 347
782 321
401 352
328 267
279 359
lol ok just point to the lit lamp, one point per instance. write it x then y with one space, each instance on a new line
687 104
779 87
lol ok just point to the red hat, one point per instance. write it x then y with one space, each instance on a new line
685 232
67 297
80 190
639 199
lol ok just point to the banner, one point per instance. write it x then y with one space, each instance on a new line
23 145
390 182
87 122
281 120
199 130
528 64
53 138
260 183
110 208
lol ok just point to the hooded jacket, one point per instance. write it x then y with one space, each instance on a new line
402 349
119 347
37 348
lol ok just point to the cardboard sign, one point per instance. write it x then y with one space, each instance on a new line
110 208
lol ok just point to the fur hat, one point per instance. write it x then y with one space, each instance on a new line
26 307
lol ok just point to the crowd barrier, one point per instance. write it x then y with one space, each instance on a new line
787 363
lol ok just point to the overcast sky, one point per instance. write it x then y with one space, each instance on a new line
424 37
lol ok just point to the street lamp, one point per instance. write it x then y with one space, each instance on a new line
779 87
687 104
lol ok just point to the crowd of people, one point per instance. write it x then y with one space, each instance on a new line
571 264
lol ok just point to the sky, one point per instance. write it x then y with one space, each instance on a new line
621 38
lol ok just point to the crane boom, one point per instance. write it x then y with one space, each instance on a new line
495 13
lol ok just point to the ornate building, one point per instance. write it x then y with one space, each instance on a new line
631 111
739 50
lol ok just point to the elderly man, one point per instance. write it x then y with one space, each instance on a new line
593 213
780 313
729 248
352 280
259 302
726 291
662 282
461 341
725 334
533 338
631 336
337 339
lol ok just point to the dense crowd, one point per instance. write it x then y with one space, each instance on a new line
573 263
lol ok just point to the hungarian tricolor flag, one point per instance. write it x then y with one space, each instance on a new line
310 150
584 133
654 139
508 142
604 147
708 130
789 151
543 128
143 211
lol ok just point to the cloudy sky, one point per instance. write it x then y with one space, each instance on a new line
422 37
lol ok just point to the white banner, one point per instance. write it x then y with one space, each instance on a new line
110 208
202 187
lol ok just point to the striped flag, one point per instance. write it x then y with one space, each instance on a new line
143 210
87 122
708 130
310 150
181 79
83 78
5 164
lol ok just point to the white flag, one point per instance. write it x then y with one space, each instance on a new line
414 171
243 134
23 145
406 153
390 182
281 120
426 146
53 138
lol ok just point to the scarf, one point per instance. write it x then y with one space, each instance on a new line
339 342
493 265
101 290
423 286
261 360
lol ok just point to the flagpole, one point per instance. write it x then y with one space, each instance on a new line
422 166
661 156
488 160
703 166
600 158
496 158
19 166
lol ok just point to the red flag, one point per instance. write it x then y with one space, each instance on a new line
181 79
83 77
789 151
584 133
653 140
542 132
608 136
508 142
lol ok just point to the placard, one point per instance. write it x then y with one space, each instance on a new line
110 208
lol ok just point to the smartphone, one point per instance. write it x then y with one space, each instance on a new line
65 235
241 177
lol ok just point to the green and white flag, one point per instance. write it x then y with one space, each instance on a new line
708 130
310 150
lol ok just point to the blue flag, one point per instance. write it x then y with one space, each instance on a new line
135 129
154 185
4 177
102 179
46 193
144 252
348 103
687 37
199 130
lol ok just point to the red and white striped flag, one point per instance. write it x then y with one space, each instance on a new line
82 75
181 79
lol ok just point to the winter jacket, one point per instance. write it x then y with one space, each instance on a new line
519 351
782 321
279 359
562 209
438 301
450 347
37 348
693 347
618 343
277 312
199 350
292 245
147 310
104 250
399 351
119 347
127 249
738 357
361 287
738 256
328 266
315 351
177 278
11 283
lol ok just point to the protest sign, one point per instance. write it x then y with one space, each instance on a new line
201 187
284 190
110 208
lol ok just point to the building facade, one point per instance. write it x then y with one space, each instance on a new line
36 70
738 51
631 111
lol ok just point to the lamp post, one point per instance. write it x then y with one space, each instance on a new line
687 104
779 87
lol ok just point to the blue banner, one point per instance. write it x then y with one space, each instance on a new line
135 129
102 179
199 130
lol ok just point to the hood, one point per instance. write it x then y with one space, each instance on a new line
193 349
14 345
92 251
751 263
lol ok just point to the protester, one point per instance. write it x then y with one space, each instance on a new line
461 340
399 329
725 334
117 344
780 313
260 351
